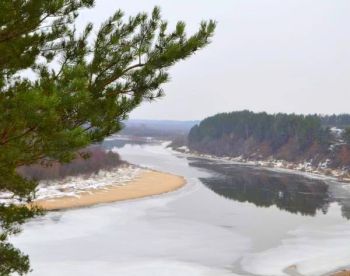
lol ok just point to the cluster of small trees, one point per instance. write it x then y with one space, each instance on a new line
98 160
274 129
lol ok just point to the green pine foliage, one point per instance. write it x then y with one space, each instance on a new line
81 91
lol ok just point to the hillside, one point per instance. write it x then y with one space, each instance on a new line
157 128
259 136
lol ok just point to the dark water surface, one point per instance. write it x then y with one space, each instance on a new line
264 188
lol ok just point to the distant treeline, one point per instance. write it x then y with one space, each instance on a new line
259 135
339 121
98 160
162 129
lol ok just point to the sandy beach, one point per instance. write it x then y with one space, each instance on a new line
148 183
342 273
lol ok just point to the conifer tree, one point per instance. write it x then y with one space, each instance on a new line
84 85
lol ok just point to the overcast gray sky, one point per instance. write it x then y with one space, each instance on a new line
267 55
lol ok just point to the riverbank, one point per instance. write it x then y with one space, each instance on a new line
305 167
342 273
147 183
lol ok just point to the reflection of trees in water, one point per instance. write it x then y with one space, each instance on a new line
292 193
345 208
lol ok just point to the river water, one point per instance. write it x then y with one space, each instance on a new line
229 219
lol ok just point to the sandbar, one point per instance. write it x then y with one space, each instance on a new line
148 183
342 273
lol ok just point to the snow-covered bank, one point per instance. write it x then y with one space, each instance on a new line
74 186
305 168
149 183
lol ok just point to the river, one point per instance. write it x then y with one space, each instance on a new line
229 219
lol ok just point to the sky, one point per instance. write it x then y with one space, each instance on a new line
288 56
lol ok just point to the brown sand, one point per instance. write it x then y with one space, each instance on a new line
342 273
146 184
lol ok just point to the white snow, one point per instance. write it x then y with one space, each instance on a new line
337 131
73 186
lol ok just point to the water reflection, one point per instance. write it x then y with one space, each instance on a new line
345 207
289 192
293 193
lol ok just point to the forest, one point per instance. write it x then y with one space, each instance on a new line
288 137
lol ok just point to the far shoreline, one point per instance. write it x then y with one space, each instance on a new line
148 183
291 168
342 273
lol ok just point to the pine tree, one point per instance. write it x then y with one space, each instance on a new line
81 91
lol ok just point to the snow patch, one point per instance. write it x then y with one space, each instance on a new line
73 186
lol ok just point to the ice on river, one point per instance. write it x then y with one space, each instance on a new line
193 231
